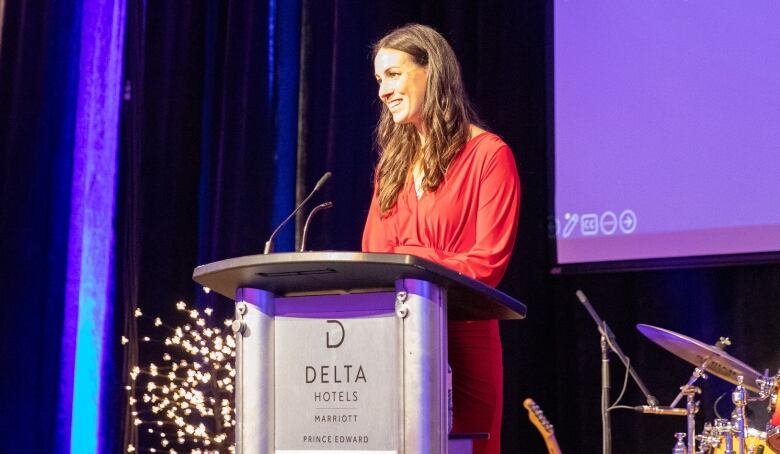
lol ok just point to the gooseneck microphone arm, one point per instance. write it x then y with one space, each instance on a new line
269 245
318 208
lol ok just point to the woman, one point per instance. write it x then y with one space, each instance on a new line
447 191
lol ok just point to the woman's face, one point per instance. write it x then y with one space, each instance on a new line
401 85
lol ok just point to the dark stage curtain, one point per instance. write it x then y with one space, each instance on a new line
38 80
207 158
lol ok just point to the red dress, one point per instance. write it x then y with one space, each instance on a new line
469 225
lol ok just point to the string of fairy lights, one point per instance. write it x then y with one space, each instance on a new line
184 401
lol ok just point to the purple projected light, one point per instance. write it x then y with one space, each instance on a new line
667 129
90 243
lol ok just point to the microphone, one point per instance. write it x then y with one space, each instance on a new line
603 327
655 410
269 245
320 207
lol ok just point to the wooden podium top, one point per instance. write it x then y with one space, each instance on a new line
305 273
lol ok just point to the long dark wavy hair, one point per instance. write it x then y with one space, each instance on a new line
446 117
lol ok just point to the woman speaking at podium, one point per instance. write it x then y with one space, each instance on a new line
447 191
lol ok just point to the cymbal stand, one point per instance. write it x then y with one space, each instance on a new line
691 408
690 392
725 429
698 372
739 398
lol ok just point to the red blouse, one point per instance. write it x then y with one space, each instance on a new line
468 224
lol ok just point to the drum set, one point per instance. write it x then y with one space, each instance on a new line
721 436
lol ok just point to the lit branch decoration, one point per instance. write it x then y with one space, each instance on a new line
185 404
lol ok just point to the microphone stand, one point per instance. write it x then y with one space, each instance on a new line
608 342
606 423
269 245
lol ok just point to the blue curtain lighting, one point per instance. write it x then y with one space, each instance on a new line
284 65
88 292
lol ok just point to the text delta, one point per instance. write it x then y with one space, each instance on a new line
335 374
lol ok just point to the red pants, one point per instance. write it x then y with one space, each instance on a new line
477 381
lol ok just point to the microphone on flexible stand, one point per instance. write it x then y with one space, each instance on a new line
318 208
269 245
605 331
608 342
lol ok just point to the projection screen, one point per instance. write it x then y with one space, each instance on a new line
666 129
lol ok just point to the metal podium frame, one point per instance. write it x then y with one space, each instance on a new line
426 296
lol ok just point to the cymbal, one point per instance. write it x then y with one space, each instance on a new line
721 363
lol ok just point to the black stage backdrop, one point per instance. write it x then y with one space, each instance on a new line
197 162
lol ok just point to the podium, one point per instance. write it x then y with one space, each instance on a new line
345 351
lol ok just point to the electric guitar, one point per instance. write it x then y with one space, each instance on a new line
544 426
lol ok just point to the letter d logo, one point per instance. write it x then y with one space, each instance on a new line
330 344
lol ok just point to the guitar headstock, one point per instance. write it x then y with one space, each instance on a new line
544 426
536 415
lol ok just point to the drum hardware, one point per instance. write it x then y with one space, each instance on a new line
708 439
739 399
690 392
679 447
734 436
724 436
691 408
724 429
720 439
766 386
698 372
773 427
712 359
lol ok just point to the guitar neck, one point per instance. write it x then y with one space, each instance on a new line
552 444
